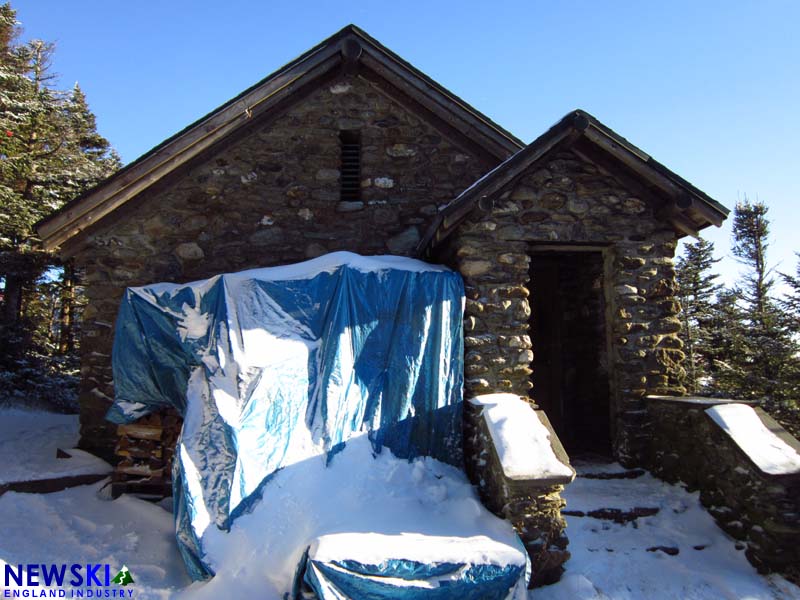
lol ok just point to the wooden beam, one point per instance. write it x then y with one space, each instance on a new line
48 486
447 108
678 220
634 161
705 211
545 247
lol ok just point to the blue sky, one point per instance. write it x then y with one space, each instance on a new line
710 89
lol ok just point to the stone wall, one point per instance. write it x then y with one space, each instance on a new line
267 198
760 510
569 201
532 507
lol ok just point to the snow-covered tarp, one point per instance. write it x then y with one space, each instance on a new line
273 368
365 565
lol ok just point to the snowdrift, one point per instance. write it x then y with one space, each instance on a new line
274 370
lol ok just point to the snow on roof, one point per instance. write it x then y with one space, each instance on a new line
770 453
522 441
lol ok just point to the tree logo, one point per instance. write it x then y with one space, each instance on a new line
124 577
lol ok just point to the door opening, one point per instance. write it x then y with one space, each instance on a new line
570 349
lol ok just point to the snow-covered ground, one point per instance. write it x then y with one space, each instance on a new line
80 526
28 443
357 495
609 560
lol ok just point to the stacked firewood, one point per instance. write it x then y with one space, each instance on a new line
145 449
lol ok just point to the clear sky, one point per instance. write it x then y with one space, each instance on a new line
710 88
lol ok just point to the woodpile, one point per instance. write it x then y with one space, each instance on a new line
145 450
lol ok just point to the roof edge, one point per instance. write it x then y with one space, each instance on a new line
94 204
575 125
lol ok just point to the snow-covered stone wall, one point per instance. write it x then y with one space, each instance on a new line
520 469
746 466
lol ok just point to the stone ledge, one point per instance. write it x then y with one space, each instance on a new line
698 401
773 427
518 486
533 507
758 508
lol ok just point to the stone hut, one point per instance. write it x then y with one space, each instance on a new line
348 147
566 250
566 247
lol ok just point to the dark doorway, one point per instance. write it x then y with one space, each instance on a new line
568 331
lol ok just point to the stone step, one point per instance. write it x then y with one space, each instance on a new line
614 514
670 550
629 474
48 486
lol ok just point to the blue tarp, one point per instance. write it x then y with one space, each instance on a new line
460 578
271 366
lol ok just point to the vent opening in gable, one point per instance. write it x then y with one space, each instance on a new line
350 169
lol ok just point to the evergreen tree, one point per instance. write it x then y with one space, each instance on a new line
50 152
726 345
696 293
769 352
791 303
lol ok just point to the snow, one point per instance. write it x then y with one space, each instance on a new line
327 263
611 561
522 441
78 526
770 453
383 509
30 440
375 548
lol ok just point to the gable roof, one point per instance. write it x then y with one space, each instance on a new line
348 51
687 208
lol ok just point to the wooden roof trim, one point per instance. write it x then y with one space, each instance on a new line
110 194
447 107
120 188
689 209
643 165
503 174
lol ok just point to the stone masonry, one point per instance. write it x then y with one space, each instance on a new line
533 507
269 198
760 510
567 200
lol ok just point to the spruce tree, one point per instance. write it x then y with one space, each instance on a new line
791 306
726 345
769 351
696 293
50 152
791 302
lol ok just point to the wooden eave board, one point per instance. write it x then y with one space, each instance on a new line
635 163
109 195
